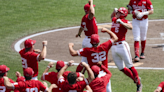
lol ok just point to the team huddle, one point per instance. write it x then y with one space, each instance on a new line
94 55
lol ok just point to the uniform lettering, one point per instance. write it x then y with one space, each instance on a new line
24 63
32 89
2 88
101 56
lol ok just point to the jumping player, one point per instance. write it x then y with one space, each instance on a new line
120 49
140 10
89 25
96 53
30 57
28 85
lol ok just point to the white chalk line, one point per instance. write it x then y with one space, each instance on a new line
18 43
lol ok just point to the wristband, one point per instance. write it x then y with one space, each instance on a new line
48 67
44 45
68 64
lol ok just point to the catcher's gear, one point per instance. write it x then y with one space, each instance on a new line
124 12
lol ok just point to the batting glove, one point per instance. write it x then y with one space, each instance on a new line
119 21
115 10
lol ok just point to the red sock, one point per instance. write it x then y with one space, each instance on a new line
136 48
128 72
135 74
79 68
143 44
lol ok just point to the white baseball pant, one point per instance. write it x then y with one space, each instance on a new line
121 55
140 29
86 43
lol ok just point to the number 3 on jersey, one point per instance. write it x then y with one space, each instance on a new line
85 28
101 56
24 63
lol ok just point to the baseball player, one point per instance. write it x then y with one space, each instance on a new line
160 87
96 53
3 72
28 85
71 85
140 10
52 76
120 49
30 56
99 83
89 25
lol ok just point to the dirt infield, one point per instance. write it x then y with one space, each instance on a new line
58 44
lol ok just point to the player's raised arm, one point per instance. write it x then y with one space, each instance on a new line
92 10
71 50
51 64
114 13
64 69
113 36
44 51
7 83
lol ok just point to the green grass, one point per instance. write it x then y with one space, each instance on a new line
20 18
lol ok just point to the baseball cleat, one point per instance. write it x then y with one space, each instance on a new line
142 56
139 88
136 59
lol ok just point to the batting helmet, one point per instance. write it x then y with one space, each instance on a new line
124 12
95 39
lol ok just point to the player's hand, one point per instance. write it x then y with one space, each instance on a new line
104 30
44 42
80 79
115 10
18 74
71 44
5 78
99 63
78 35
140 15
70 63
51 64
119 21
157 90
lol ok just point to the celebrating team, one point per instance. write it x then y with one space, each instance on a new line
94 56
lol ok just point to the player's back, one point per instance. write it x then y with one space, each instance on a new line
29 86
89 25
98 85
96 54
29 59
2 86
119 29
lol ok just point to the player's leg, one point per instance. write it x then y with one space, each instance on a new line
136 35
144 28
124 53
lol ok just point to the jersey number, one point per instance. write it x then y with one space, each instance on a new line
2 88
116 29
85 28
24 63
72 91
101 56
32 89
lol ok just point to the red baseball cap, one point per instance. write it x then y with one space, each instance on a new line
4 68
28 72
28 43
87 7
94 39
60 64
95 69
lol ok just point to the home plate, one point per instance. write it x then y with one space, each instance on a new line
135 64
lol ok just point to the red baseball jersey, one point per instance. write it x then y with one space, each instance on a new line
29 59
161 85
52 78
119 29
89 25
29 86
96 54
2 86
77 87
99 84
142 6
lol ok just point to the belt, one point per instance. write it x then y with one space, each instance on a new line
88 36
117 43
140 19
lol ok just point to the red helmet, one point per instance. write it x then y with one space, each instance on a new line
124 12
94 39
